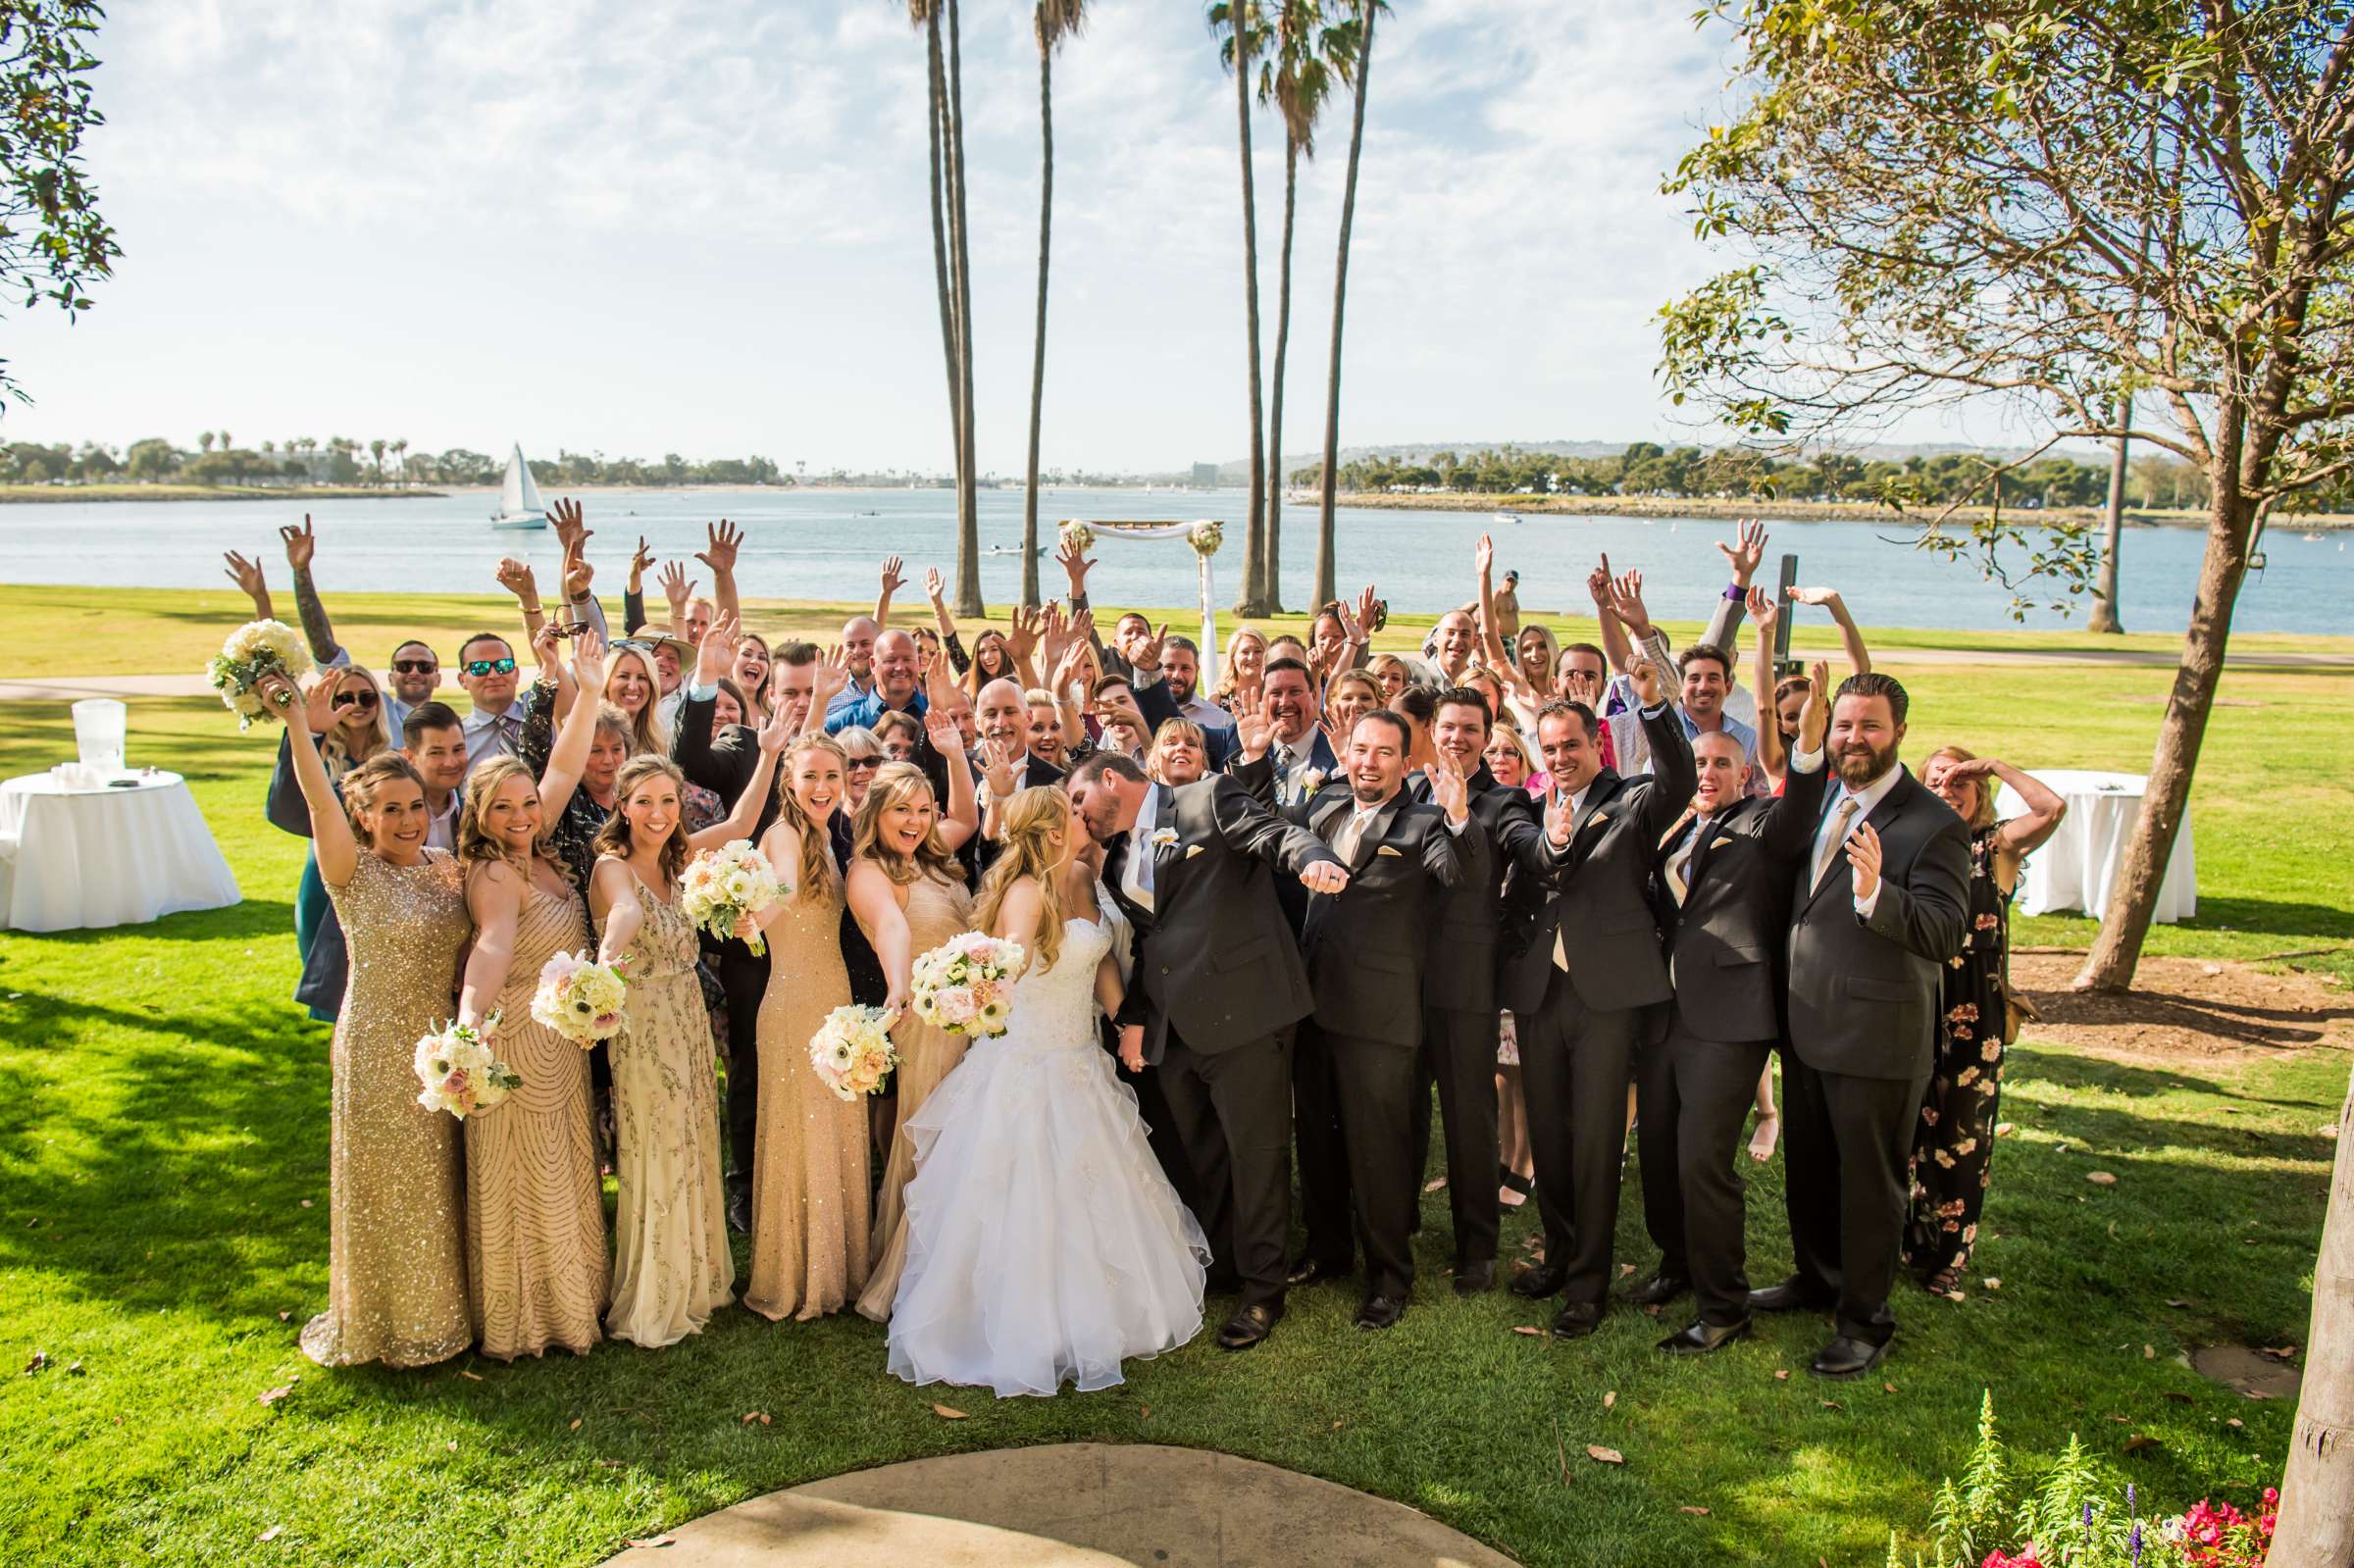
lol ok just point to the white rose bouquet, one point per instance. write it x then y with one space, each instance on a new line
851 1051
719 887
1205 537
1078 537
253 651
460 1073
580 999
965 985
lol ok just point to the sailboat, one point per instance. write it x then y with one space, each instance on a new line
518 498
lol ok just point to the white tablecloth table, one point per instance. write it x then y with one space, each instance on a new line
75 858
2073 870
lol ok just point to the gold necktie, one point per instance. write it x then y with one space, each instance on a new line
1344 842
1837 841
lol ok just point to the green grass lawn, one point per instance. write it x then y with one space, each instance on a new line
163 1238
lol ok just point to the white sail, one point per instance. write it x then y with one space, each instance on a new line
519 504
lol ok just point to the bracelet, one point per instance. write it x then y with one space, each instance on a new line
531 609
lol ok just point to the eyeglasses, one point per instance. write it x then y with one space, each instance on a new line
479 668
362 700
415 666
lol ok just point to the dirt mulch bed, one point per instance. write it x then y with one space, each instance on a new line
2184 1009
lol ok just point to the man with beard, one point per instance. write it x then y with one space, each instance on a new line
1725 873
1162 673
1880 909
1181 664
1298 757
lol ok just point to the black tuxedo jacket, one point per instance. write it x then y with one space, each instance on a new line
1599 900
1466 934
1366 944
1725 944
721 759
1864 994
1214 957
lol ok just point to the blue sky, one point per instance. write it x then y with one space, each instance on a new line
702 228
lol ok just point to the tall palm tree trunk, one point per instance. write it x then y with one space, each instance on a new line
968 503
1339 292
1254 598
937 109
1038 351
1271 573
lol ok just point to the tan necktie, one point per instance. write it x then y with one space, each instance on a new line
1344 842
1837 841
1677 864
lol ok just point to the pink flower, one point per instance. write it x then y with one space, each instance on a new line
955 1006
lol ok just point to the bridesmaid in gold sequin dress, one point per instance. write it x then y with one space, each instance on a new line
536 1259
809 1164
908 893
671 1265
396 1266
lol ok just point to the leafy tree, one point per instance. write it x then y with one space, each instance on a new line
53 243
152 459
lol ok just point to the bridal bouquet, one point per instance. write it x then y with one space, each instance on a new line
1077 537
719 887
1205 537
965 985
253 651
578 999
459 1073
851 1051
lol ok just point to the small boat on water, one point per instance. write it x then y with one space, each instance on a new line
1508 517
519 505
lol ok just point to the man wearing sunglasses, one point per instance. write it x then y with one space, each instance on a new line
416 675
487 672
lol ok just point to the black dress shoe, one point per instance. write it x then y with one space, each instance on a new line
1249 1325
1577 1320
1475 1279
1313 1271
1380 1312
1660 1290
1788 1297
1700 1339
1545 1279
740 1209
1844 1358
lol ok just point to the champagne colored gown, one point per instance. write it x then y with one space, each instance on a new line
936 912
809 1162
397 1259
671 1265
535 1256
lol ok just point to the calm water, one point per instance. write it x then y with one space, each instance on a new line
822 544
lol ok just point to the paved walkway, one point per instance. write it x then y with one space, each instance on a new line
1068 1505
74 687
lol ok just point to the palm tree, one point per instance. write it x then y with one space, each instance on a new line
1296 81
400 449
1361 18
225 442
377 448
1053 21
925 14
968 500
1244 24
204 441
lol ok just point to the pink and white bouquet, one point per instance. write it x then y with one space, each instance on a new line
459 1073
253 651
580 999
851 1051
719 887
965 985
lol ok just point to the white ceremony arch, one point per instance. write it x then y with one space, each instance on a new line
1203 535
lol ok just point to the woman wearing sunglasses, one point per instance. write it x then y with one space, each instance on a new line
348 725
862 754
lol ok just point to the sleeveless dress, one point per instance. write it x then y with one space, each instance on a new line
535 1255
936 912
810 1163
1044 1244
396 1251
1952 1141
671 1265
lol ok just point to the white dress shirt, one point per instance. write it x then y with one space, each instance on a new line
442 831
1866 800
494 734
1135 876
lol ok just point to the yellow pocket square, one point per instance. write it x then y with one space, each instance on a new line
1191 850
1385 849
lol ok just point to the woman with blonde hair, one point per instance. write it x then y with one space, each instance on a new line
1019 1278
1241 671
634 684
1391 673
671 1266
1179 753
1351 696
809 1161
906 888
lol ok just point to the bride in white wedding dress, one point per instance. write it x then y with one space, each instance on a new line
1044 1245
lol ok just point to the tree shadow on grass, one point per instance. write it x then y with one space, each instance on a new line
2277 916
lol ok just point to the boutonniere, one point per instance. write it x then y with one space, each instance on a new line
1162 837
1311 781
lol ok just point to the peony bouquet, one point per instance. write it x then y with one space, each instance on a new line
719 887
1205 537
965 985
851 1051
580 999
253 651
459 1073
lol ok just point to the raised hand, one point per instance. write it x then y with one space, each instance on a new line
1071 667
301 544
1649 682
247 574
1074 564
940 728
1627 602
516 577
1598 584
1021 640
997 761
1864 860
1253 733
639 562
677 588
547 645
1448 788
724 539
935 588
278 691
1763 610
1824 597
579 575
1146 658
318 707
589 660
1055 632
715 656
1083 625
1815 721
833 677
1746 551
1324 876
565 517
1483 555
778 730
894 577
1359 629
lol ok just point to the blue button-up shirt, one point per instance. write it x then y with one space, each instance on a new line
863 711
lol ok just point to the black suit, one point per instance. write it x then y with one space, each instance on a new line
1459 1009
1863 1029
1577 1048
1218 985
1353 1074
1724 955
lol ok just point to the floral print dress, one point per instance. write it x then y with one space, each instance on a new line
1953 1143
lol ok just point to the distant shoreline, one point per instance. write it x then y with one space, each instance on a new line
40 494
1789 511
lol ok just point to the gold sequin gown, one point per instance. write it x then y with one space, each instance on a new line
536 1258
671 1265
936 912
809 1165
396 1251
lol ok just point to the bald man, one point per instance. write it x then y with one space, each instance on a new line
896 688
859 635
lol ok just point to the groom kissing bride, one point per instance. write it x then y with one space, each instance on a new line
1216 988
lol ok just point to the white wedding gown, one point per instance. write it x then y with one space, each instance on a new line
1044 1245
